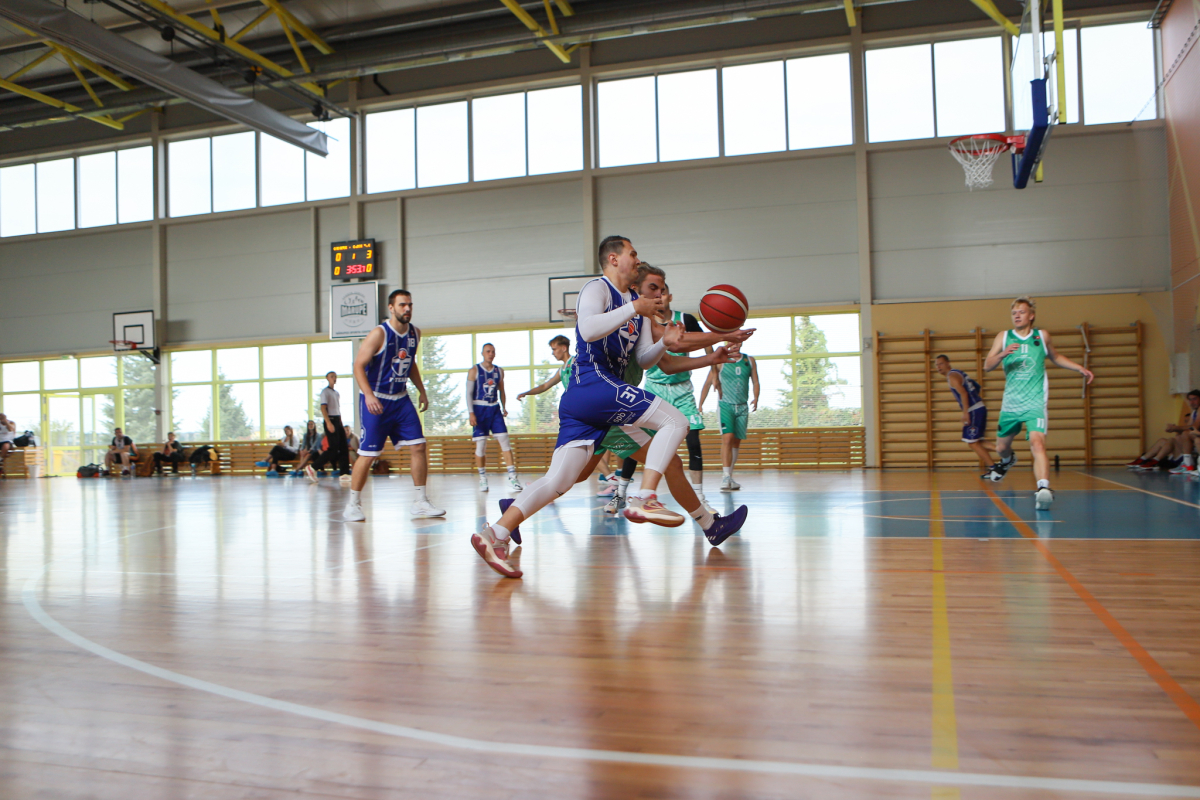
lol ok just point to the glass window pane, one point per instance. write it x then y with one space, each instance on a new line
286 403
61 373
189 177
141 423
828 391
498 136
233 172
555 130
18 215
63 413
25 410
391 151
135 184
515 382
838 332
969 79
285 361
687 115
442 144
775 394
97 190
753 108
772 336
191 366
191 412
22 376
332 356
819 101
137 371
282 172
330 176
1071 51
512 347
56 195
1118 74
98 372
454 352
238 410
237 364
628 134
899 93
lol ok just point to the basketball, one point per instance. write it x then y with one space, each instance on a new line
723 308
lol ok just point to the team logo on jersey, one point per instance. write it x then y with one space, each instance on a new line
629 336
400 364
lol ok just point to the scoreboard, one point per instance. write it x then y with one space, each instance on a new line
354 259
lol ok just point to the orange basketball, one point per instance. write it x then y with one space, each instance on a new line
723 308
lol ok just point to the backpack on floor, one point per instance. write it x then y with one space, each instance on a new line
89 471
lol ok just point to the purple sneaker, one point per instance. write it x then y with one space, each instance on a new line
516 532
724 527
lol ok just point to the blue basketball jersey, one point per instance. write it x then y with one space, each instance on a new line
487 386
609 356
971 386
387 373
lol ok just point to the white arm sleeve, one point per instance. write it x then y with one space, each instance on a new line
594 322
648 351
470 393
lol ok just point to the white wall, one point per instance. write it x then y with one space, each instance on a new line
1097 223
58 295
785 233
241 277
484 257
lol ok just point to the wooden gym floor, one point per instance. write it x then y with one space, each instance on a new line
867 635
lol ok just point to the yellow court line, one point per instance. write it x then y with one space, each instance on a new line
1187 704
945 724
1143 491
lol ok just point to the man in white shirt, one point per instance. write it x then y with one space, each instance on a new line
335 431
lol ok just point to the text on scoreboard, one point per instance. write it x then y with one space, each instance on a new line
354 259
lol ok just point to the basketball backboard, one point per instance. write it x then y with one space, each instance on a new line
564 292
1038 73
133 331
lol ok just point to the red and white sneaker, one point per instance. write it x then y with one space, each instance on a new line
494 552
1183 469
648 509
1149 465
1137 462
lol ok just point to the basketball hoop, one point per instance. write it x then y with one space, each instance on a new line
978 155
127 346
568 317
123 344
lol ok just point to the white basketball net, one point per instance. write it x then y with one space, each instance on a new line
978 154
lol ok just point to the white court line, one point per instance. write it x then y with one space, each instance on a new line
935 777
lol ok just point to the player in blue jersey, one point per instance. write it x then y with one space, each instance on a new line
612 326
386 362
486 403
974 413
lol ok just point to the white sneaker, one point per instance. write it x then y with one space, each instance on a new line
423 509
648 509
1042 498
311 473
353 512
1183 469
514 485
615 505
344 480
734 485
726 483
494 552
483 486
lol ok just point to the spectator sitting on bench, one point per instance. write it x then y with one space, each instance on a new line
1174 451
310 446
171 454
352 443
288 449
8 433
122 449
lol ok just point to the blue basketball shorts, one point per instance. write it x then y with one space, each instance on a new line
593 403
399 422
974 429
489 420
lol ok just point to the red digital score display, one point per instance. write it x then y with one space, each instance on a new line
353 259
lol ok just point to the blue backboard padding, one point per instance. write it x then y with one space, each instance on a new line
1035 138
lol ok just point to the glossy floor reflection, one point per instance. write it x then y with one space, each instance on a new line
867 635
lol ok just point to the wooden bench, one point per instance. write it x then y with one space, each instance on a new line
145 460
23 462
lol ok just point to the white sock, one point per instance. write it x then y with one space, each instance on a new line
1187 459
421 494
727 471
482 472
1043 484
702 516
733 454
698 488
502 533
644 493
623 487
355 497
512 470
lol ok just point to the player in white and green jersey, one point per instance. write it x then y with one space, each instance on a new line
677 390
1023 352
733 387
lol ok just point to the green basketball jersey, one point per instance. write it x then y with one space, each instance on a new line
564 374
1025 383
655 373
633 372
735 382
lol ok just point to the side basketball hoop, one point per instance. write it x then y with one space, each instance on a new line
568 316
127 346
978 155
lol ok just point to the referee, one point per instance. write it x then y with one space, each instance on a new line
331 410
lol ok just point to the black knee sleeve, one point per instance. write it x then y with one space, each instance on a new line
695 457
628 468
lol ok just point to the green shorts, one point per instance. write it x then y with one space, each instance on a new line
682 397
734 419
1010 424
619 443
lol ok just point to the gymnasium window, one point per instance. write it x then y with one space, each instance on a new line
292 175
627 130
555 129
233 172
687 115
753 99
392 150
98 190
189 177
442 156
1022 73
819 102
498 136
1118 73
900 93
